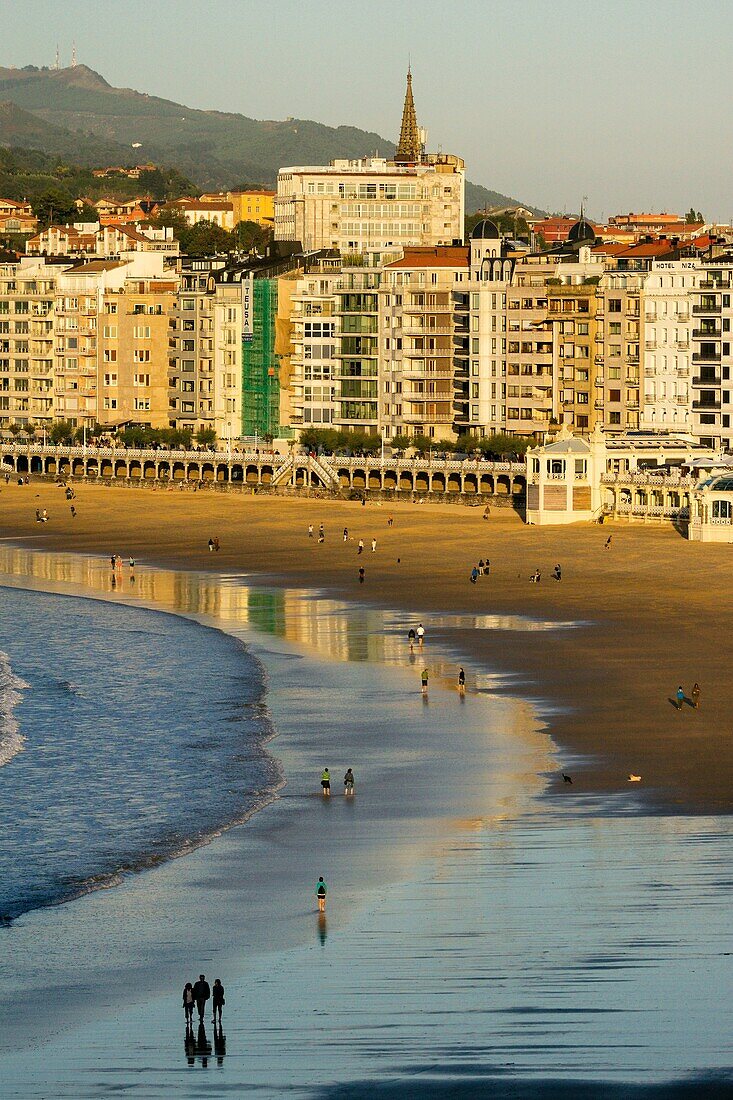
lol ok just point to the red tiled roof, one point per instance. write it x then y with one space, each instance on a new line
440 256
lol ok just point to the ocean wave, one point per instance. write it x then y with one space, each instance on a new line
11 693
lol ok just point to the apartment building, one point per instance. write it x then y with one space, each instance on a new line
132 335
27 294
618 312
307 354
191 347
667 344
105 334
417 331
84 239
712 361
356 373
17 217
373 207
228 356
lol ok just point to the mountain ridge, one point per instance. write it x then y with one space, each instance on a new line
216 149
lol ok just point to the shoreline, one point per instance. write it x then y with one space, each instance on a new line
288 747
642 630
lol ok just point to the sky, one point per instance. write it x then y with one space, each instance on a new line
622 101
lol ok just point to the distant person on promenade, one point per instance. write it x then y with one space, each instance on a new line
680 697
461 681
326 782
424 681
188 1002
695 695
321 895
349 782
420 634
217 999
201 994
361 574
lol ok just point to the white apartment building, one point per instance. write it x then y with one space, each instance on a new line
314 346
227 389
27 295
667 343
372 208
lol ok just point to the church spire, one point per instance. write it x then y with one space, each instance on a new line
409 147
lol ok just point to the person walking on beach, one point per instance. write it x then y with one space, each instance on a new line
374 545
346 534
321 533
211 546
424 680
608 543
487 568
326 782
695 695
474 575
557 573
420 634
487 512
680 697
321 895
217 999
390 521
188 1003
73 512
310 530
361 574
411 639
349 782
201 994
360 547
462 681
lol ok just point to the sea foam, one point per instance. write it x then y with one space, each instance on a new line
11 694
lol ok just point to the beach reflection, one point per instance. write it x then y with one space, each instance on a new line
336 630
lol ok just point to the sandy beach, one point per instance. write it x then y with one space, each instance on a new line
656 609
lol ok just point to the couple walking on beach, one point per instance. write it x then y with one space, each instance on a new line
326 782
198 994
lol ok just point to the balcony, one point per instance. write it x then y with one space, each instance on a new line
712 284
600 381
706 406
699 381
598 405
706 357
411 371
706 334
421 353
715 307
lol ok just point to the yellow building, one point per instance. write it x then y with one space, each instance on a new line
253 206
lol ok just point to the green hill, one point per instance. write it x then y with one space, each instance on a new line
75 113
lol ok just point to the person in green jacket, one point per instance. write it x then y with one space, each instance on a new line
321 895
326 782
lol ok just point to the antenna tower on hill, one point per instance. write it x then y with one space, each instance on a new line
57 65
73 55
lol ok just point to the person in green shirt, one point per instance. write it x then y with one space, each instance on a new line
424 679
321 895
326 781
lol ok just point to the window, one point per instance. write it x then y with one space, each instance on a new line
110 355
142 379
188 303
614 395
110 403
110 379
615 418
614 305
141 332
142 404
141 356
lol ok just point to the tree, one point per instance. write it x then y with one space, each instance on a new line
61 431
54 206
247 236
206 436
421 443
400 443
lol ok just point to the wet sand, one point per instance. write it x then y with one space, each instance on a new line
658 610
478 939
